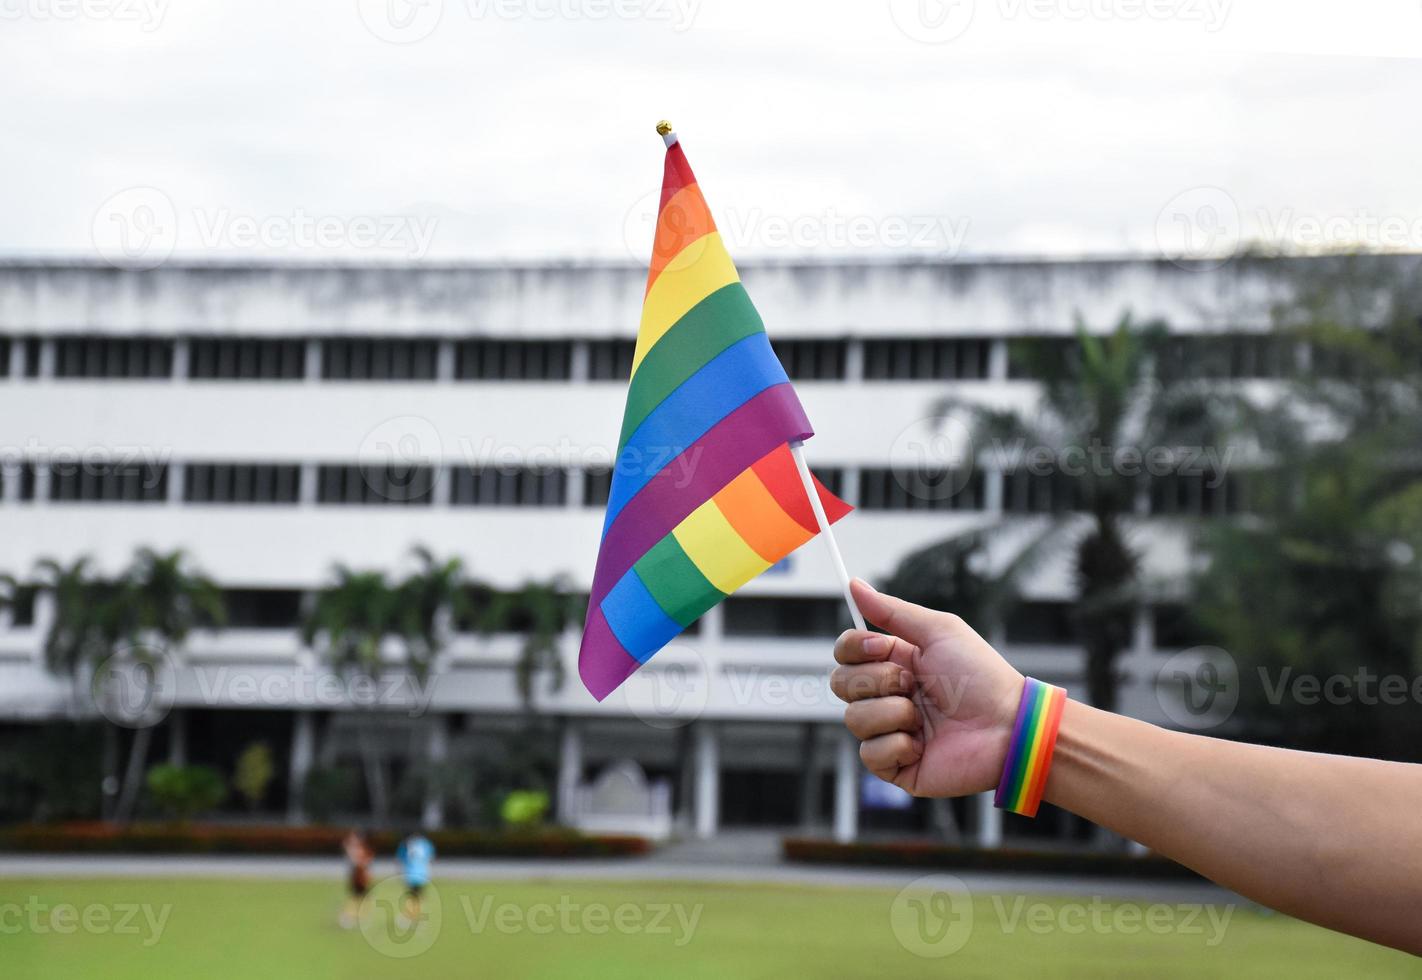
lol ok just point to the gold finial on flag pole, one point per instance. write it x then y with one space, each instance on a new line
665 131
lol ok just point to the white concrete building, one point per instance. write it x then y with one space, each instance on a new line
252 410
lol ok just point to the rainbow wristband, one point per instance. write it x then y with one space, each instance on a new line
1029 756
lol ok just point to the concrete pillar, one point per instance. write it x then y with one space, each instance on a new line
578 366
444 361
708 780
846 790
303 751
178 737
181 358
307 490
313 360
994 484
177 482
570 769
989 822
997 359
47 354
854 360
436 755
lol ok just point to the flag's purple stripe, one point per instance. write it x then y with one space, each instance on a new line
602 661
719 387
730 447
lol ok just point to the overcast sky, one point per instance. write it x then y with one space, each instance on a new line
448 129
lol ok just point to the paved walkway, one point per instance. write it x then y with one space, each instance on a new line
650 868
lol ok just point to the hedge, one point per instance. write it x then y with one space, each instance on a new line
922 854
157 838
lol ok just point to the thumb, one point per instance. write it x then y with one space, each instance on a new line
917 624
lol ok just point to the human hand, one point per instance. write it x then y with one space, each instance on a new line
967 693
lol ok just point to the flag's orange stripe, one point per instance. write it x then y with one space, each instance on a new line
759 519
683 220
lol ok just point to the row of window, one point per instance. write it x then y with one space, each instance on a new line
1029 624
880 489
416 359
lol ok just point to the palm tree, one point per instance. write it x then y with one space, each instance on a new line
151 608
350 621
168 600
1109 392
542 612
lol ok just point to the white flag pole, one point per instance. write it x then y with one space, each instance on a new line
797 450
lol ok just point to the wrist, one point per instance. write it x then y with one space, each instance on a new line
1030 748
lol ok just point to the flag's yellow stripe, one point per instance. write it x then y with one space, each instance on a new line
718 551
681 285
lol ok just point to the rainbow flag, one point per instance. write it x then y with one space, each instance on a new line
705 494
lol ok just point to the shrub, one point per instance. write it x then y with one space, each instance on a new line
185 791
254 774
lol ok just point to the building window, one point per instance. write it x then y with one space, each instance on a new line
31 366
27 481
241 483
376 485
6 345
514 360
610 360
913 489
262 609
361 359
246 359
1053 492
1200 494
1042 624
812 360
786 616
86 482
505 486
1177 628
1230 356
926 359
113 357
597 486
22 606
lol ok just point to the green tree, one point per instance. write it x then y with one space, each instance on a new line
253 774
350 623
542 611
1325 578
1105 400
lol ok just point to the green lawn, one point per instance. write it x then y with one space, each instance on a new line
157 928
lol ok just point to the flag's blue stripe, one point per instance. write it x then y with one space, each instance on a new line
636 620
727 382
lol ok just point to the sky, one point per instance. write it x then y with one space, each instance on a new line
142 131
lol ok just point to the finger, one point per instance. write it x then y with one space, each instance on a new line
886 755
881 716
860 681
916 624
864 647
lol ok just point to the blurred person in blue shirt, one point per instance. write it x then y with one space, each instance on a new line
415 855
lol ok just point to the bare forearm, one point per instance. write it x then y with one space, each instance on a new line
1330 839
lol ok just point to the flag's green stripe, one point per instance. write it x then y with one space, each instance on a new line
1024 755
675 582
707 329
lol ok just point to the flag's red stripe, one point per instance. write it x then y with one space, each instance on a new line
777 471
676 174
